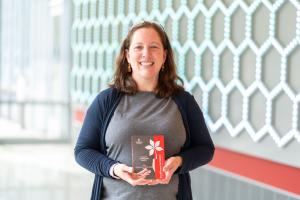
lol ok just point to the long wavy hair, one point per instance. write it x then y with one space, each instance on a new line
169 83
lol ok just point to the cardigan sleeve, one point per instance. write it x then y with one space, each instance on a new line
200 147
88 150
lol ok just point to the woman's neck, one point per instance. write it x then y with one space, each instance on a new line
147 86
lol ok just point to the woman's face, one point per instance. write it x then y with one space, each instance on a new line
146 55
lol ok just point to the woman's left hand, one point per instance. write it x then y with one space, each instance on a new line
171 165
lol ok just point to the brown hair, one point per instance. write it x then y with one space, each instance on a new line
168 79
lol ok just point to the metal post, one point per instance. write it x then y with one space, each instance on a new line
22 114
0 55
67 58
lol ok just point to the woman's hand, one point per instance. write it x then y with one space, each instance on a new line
171 165
126 173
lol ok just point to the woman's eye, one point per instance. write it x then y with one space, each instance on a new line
138 47
153 47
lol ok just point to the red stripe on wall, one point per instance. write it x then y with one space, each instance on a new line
79 115
275 174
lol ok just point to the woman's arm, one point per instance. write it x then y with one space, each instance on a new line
201 148
88 147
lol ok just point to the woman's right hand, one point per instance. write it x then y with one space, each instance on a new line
126 173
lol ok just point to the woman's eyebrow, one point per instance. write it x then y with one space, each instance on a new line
137 43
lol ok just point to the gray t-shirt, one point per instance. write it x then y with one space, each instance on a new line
143 114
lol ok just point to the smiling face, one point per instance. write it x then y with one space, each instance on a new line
146 55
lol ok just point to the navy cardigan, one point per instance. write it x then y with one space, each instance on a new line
90 150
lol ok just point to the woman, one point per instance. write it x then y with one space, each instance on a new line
144 98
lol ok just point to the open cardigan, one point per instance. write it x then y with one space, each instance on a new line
90 150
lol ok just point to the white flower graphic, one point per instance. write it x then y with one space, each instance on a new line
153 147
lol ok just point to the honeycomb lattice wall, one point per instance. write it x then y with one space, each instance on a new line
239 58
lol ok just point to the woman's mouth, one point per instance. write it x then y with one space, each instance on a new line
146 63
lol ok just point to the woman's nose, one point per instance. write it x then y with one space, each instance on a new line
145 51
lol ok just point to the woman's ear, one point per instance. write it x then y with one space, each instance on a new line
165 55
127 55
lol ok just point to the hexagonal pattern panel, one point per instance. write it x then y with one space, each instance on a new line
260 24
286 29
293 70
257 101
271 68
226 66
218 27
247 67
235 56
282 107
207 65
214 108
238 26
235 107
